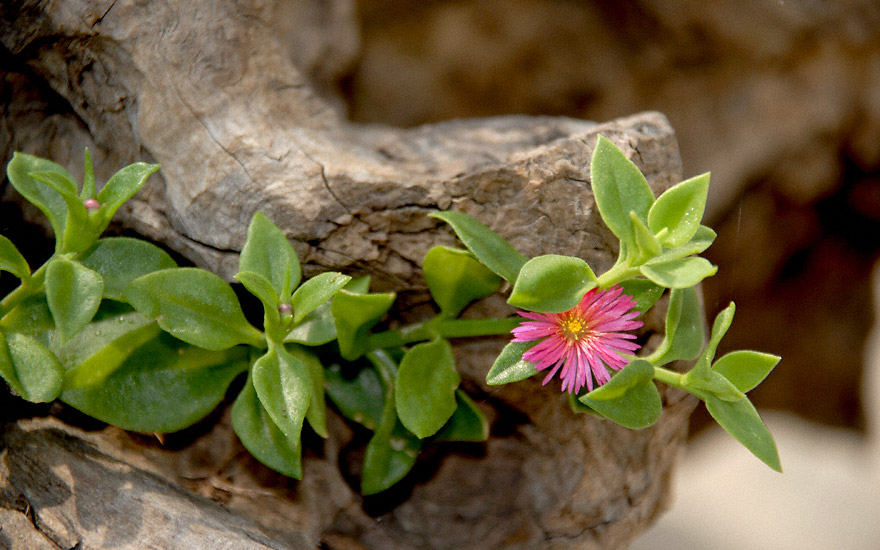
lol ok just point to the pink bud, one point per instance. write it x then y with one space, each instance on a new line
91 204
285 309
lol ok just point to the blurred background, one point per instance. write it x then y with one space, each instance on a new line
780 100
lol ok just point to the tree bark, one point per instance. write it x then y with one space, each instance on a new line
231 99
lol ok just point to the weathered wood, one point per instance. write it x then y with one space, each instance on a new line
212 91
59 491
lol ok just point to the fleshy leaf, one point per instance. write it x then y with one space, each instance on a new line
684 328
679 273
713 385
391 453
489 247
120 260
315 292
74 294
741 420
316 329
360 398
88 191
679 210
719 328
103 347
194 305
644 292
619 188
31 317
29 368
552 284
354 315
78 233
646 244
40 195
467 422
702 239
455 279
509 366
746 369
425 388
262 437
260 287
268 253
164 386
12 261
316 414
630 398
284 387
122 186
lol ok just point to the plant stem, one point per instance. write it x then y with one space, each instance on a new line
444 328
669 377
619 273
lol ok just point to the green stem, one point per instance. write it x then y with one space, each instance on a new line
617 274
669 377
444 328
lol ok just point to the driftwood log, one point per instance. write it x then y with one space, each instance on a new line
231 99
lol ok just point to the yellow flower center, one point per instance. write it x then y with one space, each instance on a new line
574 327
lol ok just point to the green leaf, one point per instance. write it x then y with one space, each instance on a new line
122 186
630 398
391 453
260 287
74 294
284 387
712 385
194 305
268 253
619 188
88 189
40 195
354 315
644 292
746 369
107 326
684 328
741 420
164 386
552 284
466 424
315 292
316 329
31 317
120 260
359 285
510 366
679 210
79 233
719 328
316 414
425 389
360 398
29 368
489 247
679 273
108 345
455 279
646 244
702 239
262 437
12 261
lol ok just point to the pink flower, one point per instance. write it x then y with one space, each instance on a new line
585 338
